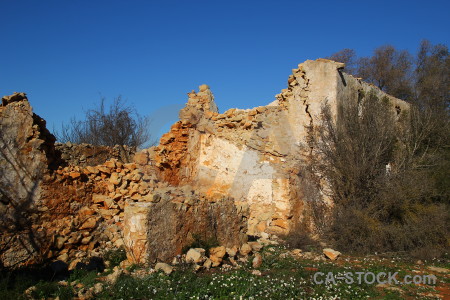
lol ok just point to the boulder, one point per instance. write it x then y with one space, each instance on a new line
257 261
232 251
256 246
115 179
164 267
195 255
245 250
218 252
90 223
331 254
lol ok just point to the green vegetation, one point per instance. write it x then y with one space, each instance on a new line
282 275
381 173
115 256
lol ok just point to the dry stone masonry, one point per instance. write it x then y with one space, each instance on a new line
254 156
222 176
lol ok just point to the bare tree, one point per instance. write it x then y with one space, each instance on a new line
432 82
347 56
120 124
389 69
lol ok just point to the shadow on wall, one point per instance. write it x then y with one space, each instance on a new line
160 230
19 190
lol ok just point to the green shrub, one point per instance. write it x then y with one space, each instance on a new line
45 290
115 257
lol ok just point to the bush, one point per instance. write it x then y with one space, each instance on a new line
380 173
120 124
115 257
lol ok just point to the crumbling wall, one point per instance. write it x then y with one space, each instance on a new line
26 152
215 175
53 208
255 155
89 155
159 230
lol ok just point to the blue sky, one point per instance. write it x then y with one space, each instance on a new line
65 54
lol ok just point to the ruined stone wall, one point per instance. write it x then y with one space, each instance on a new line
255 155
26 153
89 155
215 175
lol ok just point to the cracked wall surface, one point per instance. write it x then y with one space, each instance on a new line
255 155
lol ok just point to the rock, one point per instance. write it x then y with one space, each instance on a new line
265 235
164 267
86 240
207 264
59 243
203 88
112 278
205 151
296 252
215 260
98 288
280 223
63 257
16 97
155 198
135 231
91 170
115 179
232 251
75 175
89 224
73 264
176 260
195 255
219 252
85 294
197 268
130 166
141 158
110 164
257 261
245 250
331 254
256 246
104 169
85 211
119 243
102 199
29 292
124 264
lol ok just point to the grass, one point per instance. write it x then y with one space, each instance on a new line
282 277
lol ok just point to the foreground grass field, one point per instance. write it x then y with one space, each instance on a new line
281 276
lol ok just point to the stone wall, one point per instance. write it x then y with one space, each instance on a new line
56 205
214 175
89 155
26 154
255 155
